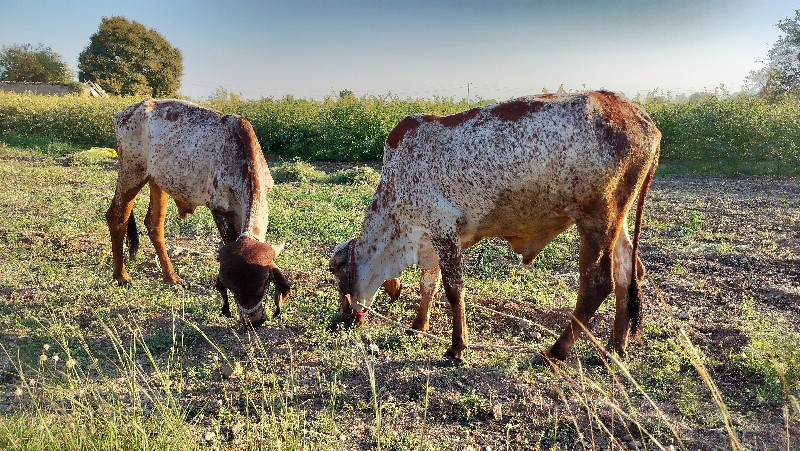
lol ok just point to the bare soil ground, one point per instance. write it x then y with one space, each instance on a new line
723 251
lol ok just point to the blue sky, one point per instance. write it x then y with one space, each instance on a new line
424 48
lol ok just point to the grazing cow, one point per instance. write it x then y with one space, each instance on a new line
199 157
522 170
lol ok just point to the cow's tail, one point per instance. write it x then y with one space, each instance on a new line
133 237
635 297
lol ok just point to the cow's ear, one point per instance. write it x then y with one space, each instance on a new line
341 256
282 289
393 287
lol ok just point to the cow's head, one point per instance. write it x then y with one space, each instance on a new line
353 304
342 266
246 268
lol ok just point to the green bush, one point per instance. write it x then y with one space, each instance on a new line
732 135
72 119
737 135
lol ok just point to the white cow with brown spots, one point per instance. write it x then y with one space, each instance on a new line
199 157
522 170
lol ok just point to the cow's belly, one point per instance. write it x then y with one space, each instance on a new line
527 231
186 181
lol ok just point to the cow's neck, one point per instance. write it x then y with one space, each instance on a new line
255 211
382 251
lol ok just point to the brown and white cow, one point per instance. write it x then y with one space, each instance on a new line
523 170
199 157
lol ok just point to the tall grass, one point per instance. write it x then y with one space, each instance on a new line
711 134
127 398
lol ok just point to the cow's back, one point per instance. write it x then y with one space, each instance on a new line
180 146
523 160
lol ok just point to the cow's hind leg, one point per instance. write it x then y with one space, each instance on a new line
117 221
156 213
595 284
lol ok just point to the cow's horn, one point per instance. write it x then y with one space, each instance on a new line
277 248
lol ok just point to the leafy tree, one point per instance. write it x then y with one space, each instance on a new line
125 58
23 62
781 77
345 93
222 94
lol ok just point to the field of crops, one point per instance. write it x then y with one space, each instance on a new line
734 135
86 364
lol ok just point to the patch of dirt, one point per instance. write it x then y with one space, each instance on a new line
748 245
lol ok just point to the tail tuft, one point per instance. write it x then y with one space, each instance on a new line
635 296
635 302
133 237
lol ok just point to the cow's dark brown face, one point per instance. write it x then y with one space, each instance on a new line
246 268
339 266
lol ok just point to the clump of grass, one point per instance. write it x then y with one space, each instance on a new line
296 171
93 156
357 175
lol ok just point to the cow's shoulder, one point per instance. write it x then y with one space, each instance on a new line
173 110
404 127
126 117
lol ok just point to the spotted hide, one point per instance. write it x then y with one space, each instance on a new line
523 170
198 157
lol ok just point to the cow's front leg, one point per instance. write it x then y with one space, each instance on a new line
450 263
226 307
154 222
428 283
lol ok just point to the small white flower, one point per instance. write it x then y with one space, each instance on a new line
18 392
71 363
46 347
55 358
42 358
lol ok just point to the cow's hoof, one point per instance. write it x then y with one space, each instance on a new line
617 349
123 281
422 327
456 357
174 280
545 358
413 332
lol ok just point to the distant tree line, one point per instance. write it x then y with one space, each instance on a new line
23 62
123 57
